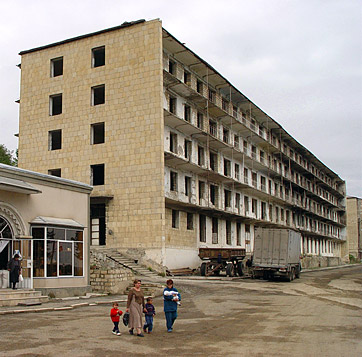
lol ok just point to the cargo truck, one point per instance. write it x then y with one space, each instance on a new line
276 253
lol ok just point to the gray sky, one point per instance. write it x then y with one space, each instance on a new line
298 60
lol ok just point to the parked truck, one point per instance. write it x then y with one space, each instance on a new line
276 253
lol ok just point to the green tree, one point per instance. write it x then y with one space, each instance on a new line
7 156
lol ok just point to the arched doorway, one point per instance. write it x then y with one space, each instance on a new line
6 237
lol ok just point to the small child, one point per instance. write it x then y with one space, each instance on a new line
149 315
115 314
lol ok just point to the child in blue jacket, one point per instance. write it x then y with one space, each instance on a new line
171 299
151 312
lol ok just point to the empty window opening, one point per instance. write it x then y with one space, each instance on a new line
97 133
202 228
55 140
56 67
97 175
227 195
225 105
187 113
245 146
55 104
173 143
228 232
55 172
98 94
201 190
187 78
246 175
235 111
173 181
175 218
212 95
199 87
254 206
225 135
237 172
238 233
237 201
214 194
201 156
253 151
188 149
190 221
213 161
171 67
270 212
246 204
172 105
254 178
227 167
212 128
263 210
98 56
236 141
263 183
187 186
215 230
200 120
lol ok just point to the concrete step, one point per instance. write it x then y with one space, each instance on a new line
24 297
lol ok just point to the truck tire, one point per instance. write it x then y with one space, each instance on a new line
297 273
230 269
239 268
203 269
290 276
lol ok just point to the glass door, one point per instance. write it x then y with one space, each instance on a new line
25 248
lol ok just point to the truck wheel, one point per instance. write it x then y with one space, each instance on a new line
290 276
203 269
239 268
217 272
230 269
297 274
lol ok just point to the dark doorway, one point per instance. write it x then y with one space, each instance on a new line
98 224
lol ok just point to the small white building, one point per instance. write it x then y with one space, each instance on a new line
46 218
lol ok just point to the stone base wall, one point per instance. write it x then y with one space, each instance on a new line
106 276
315 261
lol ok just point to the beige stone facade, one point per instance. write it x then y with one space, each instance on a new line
189 161
354 227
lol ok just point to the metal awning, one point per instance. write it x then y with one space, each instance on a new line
18 186
52 221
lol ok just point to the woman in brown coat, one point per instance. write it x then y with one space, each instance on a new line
136 307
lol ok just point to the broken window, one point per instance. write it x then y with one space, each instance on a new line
215 230
175 218
55 140
172 105
227 167
228 232
201 156
190 221
98 56
56 67
173 143
98 94
55 172
202 228
201 190
227 195
173 181
187 113
188 149
97 133
55 102
200 120
97 175
214 194
187 186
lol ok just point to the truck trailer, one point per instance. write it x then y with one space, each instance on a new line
276 253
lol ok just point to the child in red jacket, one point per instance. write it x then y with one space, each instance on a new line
115 314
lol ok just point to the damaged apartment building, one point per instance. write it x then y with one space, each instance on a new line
178 157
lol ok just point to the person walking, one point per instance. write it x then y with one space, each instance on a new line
171 300
115 314
14 267
151 312
136 307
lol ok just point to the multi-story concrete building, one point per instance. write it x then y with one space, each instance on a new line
179 158
354 227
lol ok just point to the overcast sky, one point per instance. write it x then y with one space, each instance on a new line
300 61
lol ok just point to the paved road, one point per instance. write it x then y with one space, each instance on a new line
317 315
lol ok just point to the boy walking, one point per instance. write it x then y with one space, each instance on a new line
115 314
149 316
